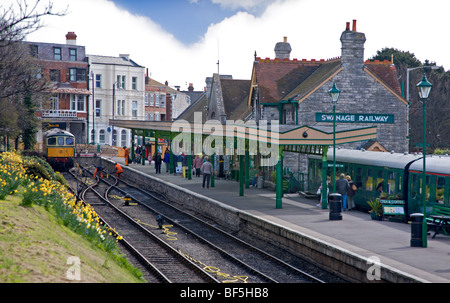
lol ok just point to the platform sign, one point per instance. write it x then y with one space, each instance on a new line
393 207
356 118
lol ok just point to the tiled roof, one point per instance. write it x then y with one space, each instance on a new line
112 60
198 105
386 72
235 97
277 78
282 80
319 76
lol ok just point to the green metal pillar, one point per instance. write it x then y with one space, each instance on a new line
143 151
189 168
324 196
279 183
133 156
171 155
241 175
247 168
213 162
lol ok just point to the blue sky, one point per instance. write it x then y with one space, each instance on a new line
187 20
181 40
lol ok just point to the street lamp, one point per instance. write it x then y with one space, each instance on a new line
93 107
424 89
334 94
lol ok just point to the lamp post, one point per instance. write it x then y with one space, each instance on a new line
424 89
334 94
93 107
113 105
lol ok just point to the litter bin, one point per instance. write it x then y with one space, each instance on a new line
416 230
335 202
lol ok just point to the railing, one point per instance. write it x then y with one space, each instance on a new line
59 113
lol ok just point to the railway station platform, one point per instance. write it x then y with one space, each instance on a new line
356 234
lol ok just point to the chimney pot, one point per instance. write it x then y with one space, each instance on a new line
347 26
354 26
71 38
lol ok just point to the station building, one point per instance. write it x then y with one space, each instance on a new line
370 113
65 65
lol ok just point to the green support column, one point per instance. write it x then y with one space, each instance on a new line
247 168
324 177
279 185
133 156
213 162
241 175
144 133
171 155
189 171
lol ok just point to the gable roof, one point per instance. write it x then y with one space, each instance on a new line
315 80
235 95
284 80
277 78
198 105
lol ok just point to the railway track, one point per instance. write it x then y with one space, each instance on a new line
161 263
222 255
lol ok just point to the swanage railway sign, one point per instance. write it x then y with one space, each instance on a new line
356 118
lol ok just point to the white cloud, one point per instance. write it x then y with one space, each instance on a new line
313 29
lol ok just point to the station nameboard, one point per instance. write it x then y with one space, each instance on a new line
356 118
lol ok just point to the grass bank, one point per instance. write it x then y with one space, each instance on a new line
47 236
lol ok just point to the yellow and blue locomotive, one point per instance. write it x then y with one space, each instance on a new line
59 148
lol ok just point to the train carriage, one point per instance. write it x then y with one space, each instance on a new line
393 176
59 148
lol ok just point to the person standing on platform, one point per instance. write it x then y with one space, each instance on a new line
167 159
126 154
118 169
207 170
342 188
197 165
137 153
350 193
158 160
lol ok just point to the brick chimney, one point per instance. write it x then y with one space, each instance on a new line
191 87
352 51
283 49
71 38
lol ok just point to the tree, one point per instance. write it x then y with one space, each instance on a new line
21 82
438 105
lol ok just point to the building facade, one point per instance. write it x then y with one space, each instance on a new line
297 92
66 67
117 85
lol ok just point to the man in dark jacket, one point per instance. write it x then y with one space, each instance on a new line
158 160
342 188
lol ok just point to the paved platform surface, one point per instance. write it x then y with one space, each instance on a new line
356 232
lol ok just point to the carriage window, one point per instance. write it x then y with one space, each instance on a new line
69 141
440 188
51 141
60 140
369 181
391 183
